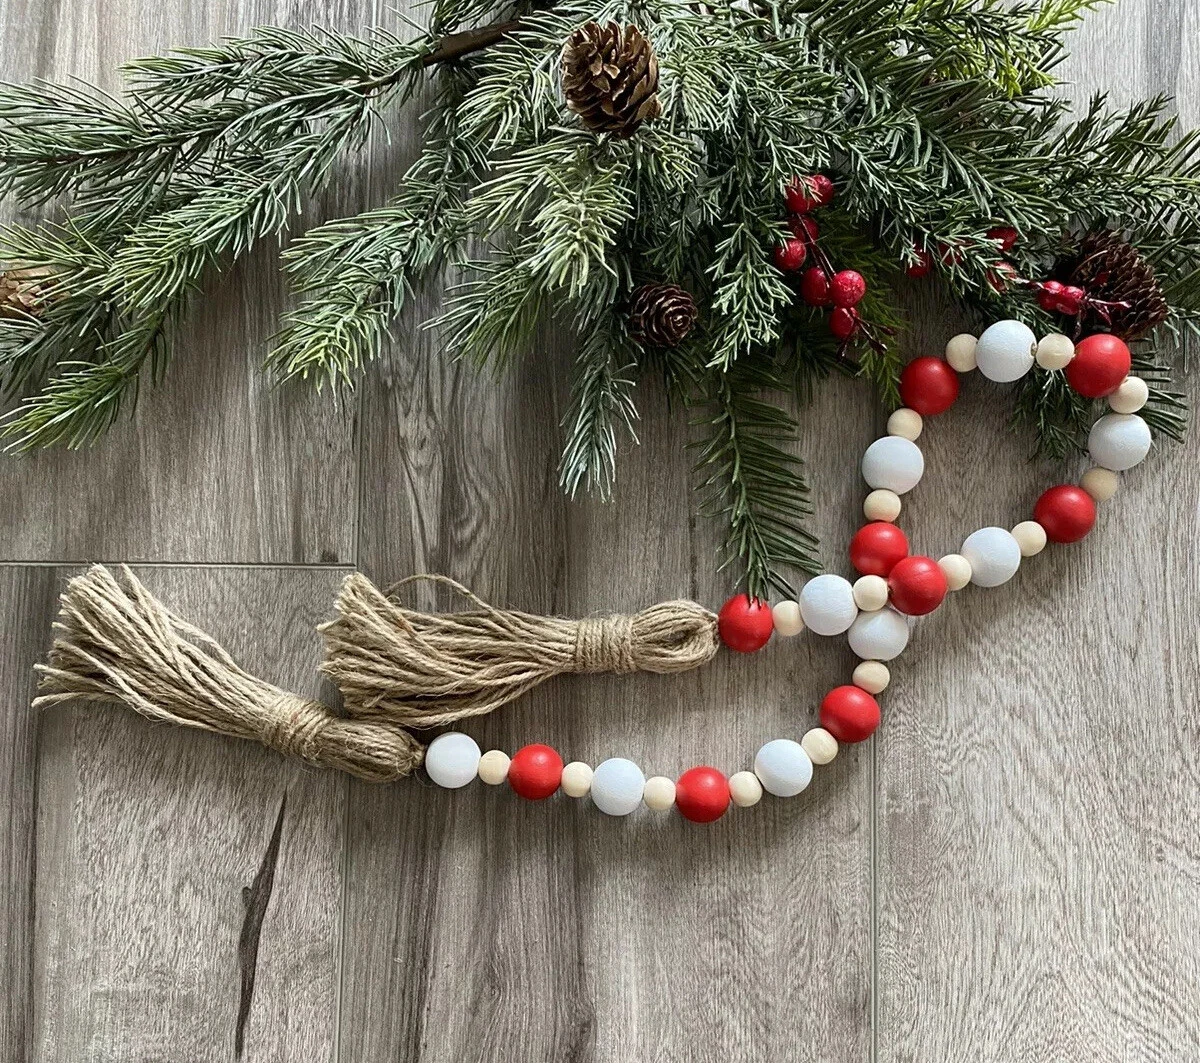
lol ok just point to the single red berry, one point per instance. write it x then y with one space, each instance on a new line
1067 513
745 624
877 547
801 195
1000 276
535 772
950 255
928 385
790 255
702 794
822 187
850 714
843 322
1004 235
923 266
805 227
814 286
846 288
1047 295
1070 300
917 585
1101 362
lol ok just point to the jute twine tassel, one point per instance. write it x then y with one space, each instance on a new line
426 670
118 643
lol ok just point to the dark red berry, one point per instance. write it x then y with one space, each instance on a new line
790 255
804 227
823 189
1000 276
814 287
922 266
846 288
843 322
950 255
1047 295
800 196
1005 235
1070 300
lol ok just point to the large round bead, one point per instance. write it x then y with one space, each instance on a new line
827 604
893 463
452 759
1101 362
745 624
850 714
702 794
1118 441
879 636
929 386
1005 351
994 556
1067 513
617 786
783 767
876 547
917 585
535 772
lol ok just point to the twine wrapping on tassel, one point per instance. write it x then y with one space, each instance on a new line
116 643
427 670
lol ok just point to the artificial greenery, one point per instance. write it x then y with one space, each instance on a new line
936 118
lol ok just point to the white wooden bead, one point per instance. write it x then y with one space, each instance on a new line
960 352
882 505
493 767
827 604
577 779
452 759
1118 441
787 618
905 423
1055 351
617 786
820 745
1031 537
659 793
872 676
1101 484
994 556
745 789
870 593
957 570
1131 396
894 464
783 767
1004 352
879 636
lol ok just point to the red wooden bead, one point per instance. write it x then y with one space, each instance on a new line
1101 362
1067 513
745 624
702 794
790 255
928 385
535 772
876 547
917 585
814 287
850 714
846 288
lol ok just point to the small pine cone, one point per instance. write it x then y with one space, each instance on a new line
23 292
661 315
610 78
1112 271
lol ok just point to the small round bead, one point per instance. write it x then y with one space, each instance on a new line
894 464
957 570
1101 362
917 585
1101 484
783 767
1004 352
617 786
1067 513
879 636
882 505
905 423
870 593
788 621
745 624
659 793
850 714
820 745
876 548
827 604
1031 537
1118 441
452 760
960 352
993 555
577 779
745 789
929 386
872 676
493 767
535 772
1131 396
702 794
1055 351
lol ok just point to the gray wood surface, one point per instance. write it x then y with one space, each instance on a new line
1009 872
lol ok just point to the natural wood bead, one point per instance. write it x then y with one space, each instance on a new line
870 593
1055 351
1131 396
493 767
957 570
1031 537
576 779
820 745
960 353
1101 484
788 621
871 676
659 793
745 789
882 505
905 423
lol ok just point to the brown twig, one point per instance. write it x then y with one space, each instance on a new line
456 45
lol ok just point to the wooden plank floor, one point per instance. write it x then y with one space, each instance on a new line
1009 872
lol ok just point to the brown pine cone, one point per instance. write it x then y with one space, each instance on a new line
23 291
661 315
1112 271
610 78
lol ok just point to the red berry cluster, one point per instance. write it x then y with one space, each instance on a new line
1071 301
1000 276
